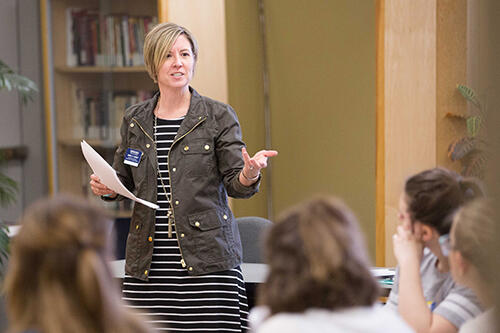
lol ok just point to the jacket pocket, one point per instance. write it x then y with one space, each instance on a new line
198 155
209 237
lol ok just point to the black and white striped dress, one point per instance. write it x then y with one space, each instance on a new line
171 299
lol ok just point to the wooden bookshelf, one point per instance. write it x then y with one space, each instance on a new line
100 69
67 83
72 20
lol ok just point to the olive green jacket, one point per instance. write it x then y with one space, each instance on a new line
204 165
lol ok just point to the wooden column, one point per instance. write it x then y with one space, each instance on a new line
409 100
206 20
423 44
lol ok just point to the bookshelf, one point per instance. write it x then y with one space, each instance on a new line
97 70
101 69
89 80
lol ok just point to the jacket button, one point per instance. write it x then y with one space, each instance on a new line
190 268
174 169
176 202
207 147
132 125
146 272
186 148
148 145
225 217
182 235
197 223
150 238
136 227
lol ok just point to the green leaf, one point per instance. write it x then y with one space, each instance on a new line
473 125
4 242
11 81
475 165
8 190
469 94
461 147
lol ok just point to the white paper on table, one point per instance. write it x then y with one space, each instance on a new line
383 271
108 175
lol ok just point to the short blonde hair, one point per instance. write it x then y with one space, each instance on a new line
159 42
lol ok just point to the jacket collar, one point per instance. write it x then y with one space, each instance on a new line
196 112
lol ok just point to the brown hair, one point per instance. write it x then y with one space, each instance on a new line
434 195
474 236
317 259
58 278
158 43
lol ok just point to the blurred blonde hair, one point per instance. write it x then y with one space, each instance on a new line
159 42
317 259
58 278
474 236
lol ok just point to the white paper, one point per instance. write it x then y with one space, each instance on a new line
383 271
108 175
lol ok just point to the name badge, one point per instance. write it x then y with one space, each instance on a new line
132 157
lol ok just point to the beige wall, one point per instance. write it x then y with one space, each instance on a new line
321 57
244 62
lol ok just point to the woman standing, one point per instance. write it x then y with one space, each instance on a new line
185 152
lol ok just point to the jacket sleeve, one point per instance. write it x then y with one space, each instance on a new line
122 170
228 144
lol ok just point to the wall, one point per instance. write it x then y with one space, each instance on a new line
451 69
321 58
22 125
245 93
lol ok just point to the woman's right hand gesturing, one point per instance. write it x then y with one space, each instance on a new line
99 188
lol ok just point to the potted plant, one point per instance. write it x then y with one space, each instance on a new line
26 88
470 149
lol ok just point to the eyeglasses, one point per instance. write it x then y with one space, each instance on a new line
445 243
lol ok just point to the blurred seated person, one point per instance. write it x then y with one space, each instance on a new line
424 292
58 279
319 277
471 245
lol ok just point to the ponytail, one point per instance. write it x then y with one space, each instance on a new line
59 281
434 195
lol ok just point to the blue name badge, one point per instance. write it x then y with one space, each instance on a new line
132 157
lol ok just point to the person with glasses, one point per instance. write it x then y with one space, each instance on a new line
471 244
424 292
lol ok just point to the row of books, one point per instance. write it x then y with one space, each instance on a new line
94 39
98 114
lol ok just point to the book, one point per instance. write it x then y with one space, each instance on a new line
93 39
